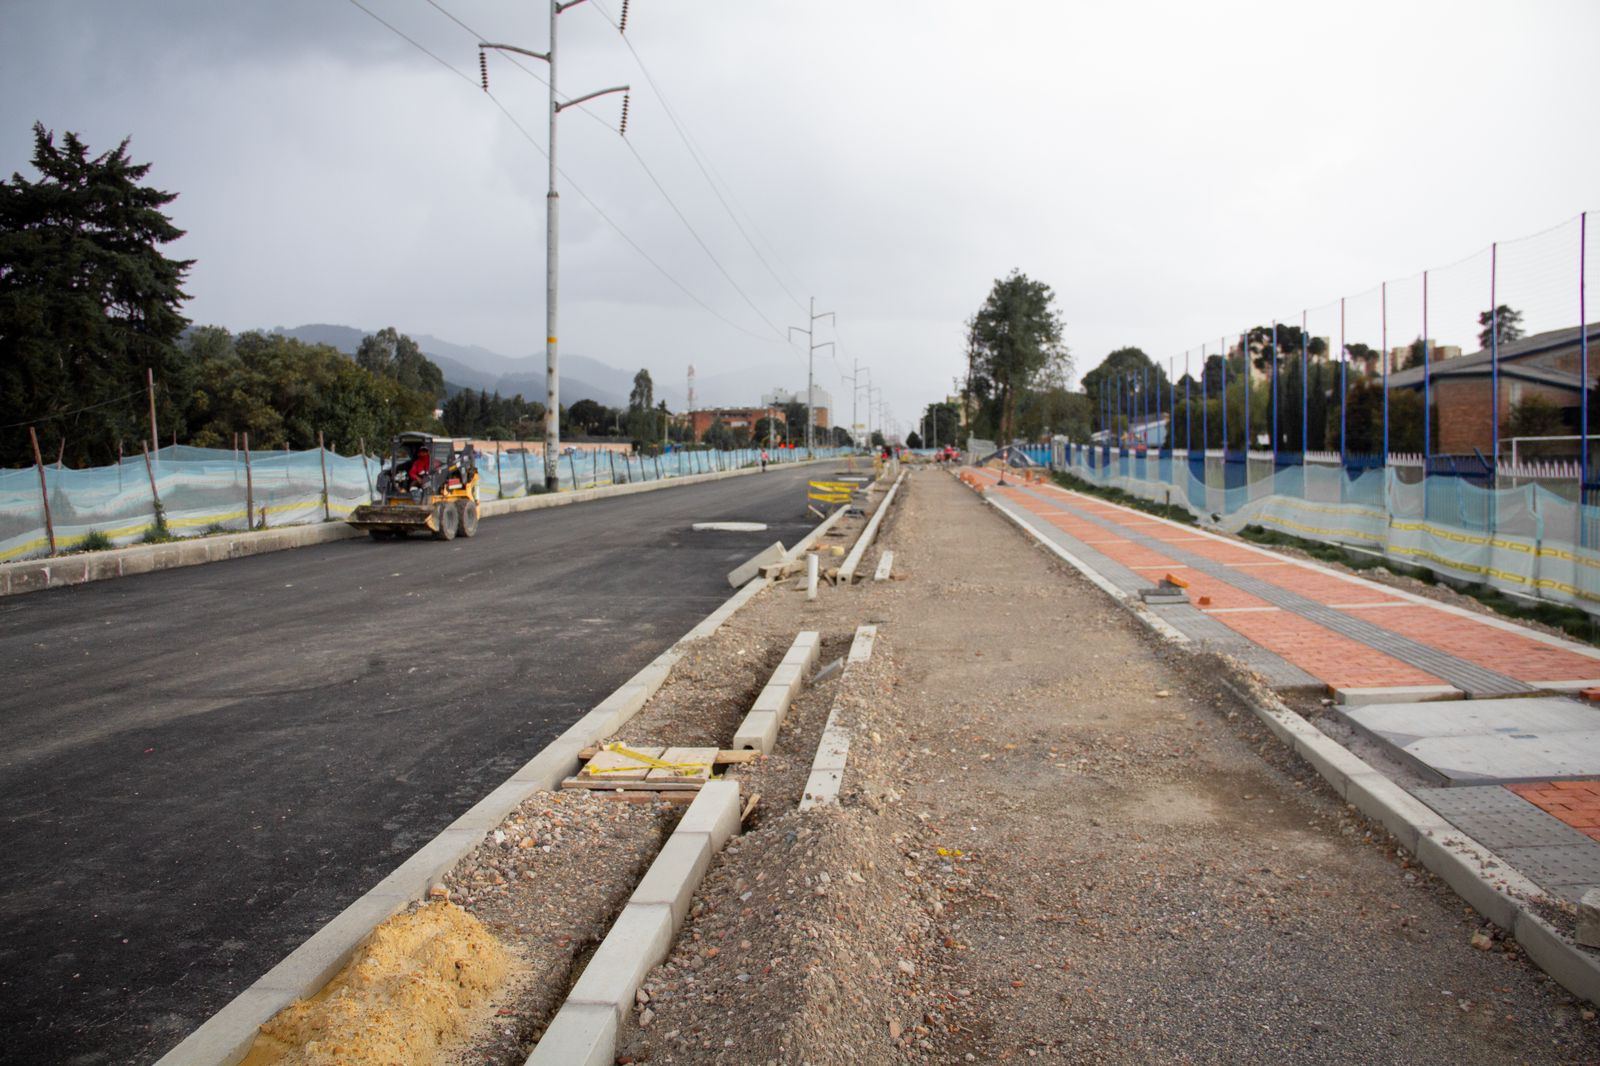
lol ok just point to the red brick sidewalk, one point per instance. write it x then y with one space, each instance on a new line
1331 657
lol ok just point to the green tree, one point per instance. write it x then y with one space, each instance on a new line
282 392
394 355
943 420
1535 416
588 417
643 425
1012 342
913 440
1500 322
88 304
1128 368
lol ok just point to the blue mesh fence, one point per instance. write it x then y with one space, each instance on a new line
203 490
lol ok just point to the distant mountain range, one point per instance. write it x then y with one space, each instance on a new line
473 367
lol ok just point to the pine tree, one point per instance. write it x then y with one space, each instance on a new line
88 303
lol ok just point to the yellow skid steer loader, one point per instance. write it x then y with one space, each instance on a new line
428 483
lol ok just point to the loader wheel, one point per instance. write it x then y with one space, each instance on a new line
380 534
469 517
448 519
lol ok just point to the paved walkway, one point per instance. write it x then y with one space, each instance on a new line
1520 775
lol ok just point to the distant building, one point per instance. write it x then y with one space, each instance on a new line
1547 365
820 397
747 417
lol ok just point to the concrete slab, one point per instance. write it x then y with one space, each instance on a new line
1480 742
715 812
676 872
638 940
580 1035
752 566
885 564
758 732
861 646
1363 697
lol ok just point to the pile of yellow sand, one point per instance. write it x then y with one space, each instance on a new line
409 990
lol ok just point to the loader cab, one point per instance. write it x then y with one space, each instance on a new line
448 463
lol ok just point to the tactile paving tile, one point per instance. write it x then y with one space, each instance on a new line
1498 818
1537 845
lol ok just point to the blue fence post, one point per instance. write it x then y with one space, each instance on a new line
1344 390
1583 407
1244 346
1383 356
1274 394
1305 424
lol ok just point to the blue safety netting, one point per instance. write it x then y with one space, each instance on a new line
1531 539
205 490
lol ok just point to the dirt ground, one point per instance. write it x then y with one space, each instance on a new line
1062 839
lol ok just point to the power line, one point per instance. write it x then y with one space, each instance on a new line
696 155
541 150
648 173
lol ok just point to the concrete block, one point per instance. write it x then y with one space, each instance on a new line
492 809
861 646
715 812
559 759
1388 804
788 675
226 1036
1460 862
758 732
752 567
1361 697
885 562
774 700
639 939
428 863
676 873
1332 760
616 709
1574 968
822 788
314 963
580 1035
834 750
1589 919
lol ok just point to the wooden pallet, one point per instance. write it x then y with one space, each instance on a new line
617 771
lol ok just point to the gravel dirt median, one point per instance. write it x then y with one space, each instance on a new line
1062 838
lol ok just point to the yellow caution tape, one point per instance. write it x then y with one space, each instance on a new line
829 497
833 486
682 769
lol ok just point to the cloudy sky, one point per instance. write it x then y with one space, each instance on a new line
1175 171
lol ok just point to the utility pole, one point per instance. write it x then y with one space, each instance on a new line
552 362
855 392
810 363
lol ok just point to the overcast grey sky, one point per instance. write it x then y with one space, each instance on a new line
1174 170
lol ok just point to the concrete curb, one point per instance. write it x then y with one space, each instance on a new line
35 575
833 750
1481 878
585 1028
885 564
226 1036
847 572
815 535
759 730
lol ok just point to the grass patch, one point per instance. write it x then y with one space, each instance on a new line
93 541
1170 511
1573 621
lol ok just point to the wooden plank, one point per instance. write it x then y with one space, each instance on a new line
701 758
598 784
618 767
723 757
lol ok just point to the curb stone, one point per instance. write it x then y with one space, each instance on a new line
1490 884
225 1038
847 571
585 1028
833 749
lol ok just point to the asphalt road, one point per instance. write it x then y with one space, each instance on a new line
202 766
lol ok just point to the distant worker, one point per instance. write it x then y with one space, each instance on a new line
763 460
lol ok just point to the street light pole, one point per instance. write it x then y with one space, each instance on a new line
552 360
811 353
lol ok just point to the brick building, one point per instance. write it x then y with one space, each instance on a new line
747 417
1546 365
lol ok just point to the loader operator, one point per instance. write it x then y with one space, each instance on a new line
419 467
